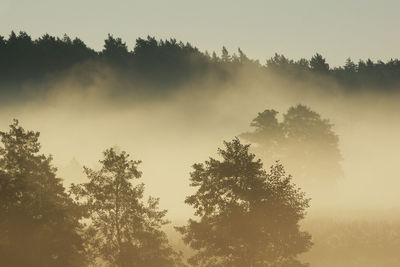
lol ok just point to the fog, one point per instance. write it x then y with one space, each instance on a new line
171 132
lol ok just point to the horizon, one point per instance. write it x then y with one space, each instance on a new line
337 30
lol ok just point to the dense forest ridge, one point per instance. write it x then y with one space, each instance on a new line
169 63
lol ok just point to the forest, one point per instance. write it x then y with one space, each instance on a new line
165 65
285 163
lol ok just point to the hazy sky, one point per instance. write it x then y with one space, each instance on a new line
337 29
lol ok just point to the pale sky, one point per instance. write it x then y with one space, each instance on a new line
338 29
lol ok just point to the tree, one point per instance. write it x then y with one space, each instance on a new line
318 64
115 49
285 66
242 57
225 57
247 217
126 231
39 222
303 141
350 66
214 57
3 42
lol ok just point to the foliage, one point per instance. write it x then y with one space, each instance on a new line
125 231
247 217
318 64
303 141
168 64
39 222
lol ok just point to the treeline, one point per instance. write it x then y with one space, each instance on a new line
168 63
155 63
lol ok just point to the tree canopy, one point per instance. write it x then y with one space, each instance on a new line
303 141
39 222
245 216
169 64
124 230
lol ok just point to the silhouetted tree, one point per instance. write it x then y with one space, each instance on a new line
3 44
125 231
167 63
214 57
318 64
39 222
2 41
303 141
350 66
285 66
242 56
225 57
279 62
115 50
247 217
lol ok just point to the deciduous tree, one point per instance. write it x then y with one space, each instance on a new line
39 222
125 230
303 141
246 217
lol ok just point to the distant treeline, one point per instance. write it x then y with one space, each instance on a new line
169 63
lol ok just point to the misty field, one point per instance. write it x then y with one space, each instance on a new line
164 155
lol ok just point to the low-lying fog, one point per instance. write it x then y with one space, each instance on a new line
171 133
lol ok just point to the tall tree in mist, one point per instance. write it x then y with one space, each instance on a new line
39 222
247 217
115 50
303 141
125 231
318 64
